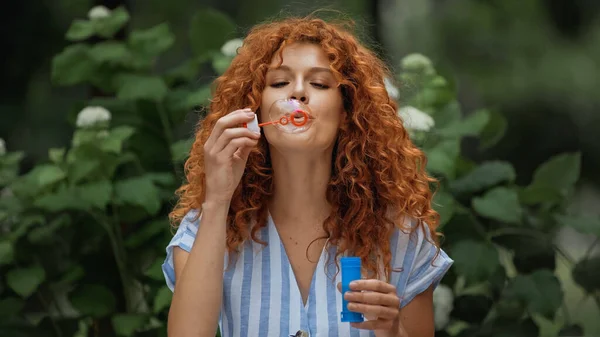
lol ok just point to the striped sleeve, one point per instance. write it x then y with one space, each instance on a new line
427 268
183 238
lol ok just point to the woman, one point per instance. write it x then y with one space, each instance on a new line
265 217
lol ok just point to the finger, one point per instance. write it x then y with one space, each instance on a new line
375 298
339 286
230 134
237 144
374 325
372 285
243 152
230 120
373 310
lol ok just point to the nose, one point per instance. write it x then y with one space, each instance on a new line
299 93
302 99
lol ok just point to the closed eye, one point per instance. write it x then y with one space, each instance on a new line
279 84
320 86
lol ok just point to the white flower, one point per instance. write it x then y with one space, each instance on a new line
443 300
98 12
415 119
230 47
2 147
391 88
92 115
417 62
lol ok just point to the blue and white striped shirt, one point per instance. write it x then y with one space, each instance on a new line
261 296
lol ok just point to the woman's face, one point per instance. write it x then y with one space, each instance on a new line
304 75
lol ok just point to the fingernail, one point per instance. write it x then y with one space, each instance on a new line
249 113
353 284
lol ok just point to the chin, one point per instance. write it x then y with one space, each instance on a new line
306 141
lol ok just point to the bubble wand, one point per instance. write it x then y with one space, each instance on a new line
293 117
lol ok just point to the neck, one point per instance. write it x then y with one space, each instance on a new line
300 186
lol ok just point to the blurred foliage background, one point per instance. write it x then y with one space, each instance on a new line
511 87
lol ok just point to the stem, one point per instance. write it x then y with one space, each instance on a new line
516 231
116 243
564 254
479 227
566 313
597 300
164 119
588 253
52 320
45 304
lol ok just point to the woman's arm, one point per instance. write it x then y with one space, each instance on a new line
197 296
416 318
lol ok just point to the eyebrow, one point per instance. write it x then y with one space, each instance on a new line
311 70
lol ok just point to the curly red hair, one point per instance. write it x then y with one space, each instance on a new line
378 175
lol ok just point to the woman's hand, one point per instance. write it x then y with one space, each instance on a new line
378 302
225 154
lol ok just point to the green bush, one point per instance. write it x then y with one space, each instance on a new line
83 234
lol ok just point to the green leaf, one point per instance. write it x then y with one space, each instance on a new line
73 65
560 172
127 324
161 178
25 281
6 252
444 204
44 233
448 115
72 275
484 176
48 174
97 194
108 26
114 141
532 195
139 191
80 30
441 159
80 169
134 87
540 291
477 261
587 273
209 30
186 72
93 300
583 223
56 155
63 199
9 167
179 102
221 62
11 306
153 41
472 125
111 52
146 232
162 299
25 224
83 328
82 198
493 132
155 270
500 204
181 149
